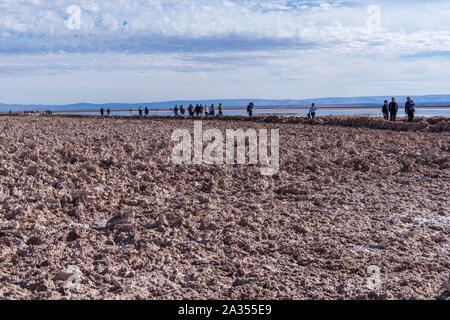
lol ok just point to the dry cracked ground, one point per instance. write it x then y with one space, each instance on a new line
103 195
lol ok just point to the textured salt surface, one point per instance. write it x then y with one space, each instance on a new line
103 195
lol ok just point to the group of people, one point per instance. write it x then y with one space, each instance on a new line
198 110
102 111
390 110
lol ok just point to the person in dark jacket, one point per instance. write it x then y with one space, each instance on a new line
146 111
385 110
182 110
393 109
198 110
108 111
410 109
250 109
175 110
102 112
191 110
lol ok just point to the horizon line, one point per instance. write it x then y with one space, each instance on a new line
217 99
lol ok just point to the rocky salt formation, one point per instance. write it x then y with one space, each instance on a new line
103 195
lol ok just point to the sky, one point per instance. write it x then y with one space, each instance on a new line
69 51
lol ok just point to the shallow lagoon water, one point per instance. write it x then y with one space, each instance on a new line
432 112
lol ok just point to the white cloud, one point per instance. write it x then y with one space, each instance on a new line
274 47
110 25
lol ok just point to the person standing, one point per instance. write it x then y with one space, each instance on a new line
102 112
385 110
182 111
410 109
108 111
250 109
312 111
198 110
191 110
206 110
212 110
393 109
220 108
146 111
175 110
140 111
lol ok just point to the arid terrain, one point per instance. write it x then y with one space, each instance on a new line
104 196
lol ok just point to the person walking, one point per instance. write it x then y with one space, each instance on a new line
410 109
182 111
385 110
312 111
220 108
393 109
250 109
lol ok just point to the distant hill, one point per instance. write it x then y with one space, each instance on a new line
429 100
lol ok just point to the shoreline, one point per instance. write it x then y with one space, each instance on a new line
420 124
293 108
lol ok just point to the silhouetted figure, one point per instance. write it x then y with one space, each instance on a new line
198 110
140 111
385 110
102 112
182 111
175 110
410 109
191 110
108 111
393 109
146 111
250 109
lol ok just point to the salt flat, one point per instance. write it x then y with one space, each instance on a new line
103 195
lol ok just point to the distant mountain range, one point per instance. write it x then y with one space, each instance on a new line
430 100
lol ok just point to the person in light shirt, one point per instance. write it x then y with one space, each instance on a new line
312 111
